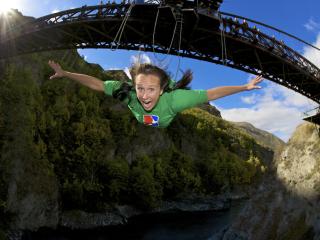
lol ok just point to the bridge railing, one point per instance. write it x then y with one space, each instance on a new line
70 15
249 30
235 25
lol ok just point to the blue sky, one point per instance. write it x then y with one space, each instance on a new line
272 108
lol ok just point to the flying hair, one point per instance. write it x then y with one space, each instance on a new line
146 68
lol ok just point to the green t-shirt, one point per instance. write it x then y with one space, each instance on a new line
169 104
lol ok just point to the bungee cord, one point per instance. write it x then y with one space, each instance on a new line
180 19
179 45
223 41
118 36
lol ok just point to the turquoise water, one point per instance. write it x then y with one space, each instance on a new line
169 226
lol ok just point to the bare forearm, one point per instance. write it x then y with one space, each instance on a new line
220 92
86 80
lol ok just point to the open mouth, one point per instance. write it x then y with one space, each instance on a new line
146 104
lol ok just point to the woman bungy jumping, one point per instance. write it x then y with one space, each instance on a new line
153 98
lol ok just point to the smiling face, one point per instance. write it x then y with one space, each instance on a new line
148 90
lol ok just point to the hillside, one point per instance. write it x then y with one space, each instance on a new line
263 137
287 203
66 148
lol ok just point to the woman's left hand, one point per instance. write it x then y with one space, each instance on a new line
253 83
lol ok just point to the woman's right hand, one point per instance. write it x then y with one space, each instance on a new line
59 72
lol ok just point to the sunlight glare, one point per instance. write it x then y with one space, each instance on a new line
6 5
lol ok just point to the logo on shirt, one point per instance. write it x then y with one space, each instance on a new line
151 120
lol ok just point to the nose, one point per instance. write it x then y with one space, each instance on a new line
145 95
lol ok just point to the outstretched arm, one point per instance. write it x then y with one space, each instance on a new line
86 80
219 92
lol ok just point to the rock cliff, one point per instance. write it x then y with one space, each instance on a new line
286 206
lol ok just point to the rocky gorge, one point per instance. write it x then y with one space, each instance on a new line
286 204
79 160
283 206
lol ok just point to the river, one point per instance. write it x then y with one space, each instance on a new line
164 226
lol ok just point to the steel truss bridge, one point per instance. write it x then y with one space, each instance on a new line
183 29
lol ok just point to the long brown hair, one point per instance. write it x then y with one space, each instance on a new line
146 68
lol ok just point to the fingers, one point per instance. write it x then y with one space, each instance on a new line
53 76
56 67
253 83
257 80
50 62
53 64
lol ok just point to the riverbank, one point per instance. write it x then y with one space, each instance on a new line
174 225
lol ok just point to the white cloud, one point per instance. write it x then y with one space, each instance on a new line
55 11
311 25
313 54
113 68
249 99
276 109
141 58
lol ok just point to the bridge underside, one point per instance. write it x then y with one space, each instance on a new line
314 119
184 32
